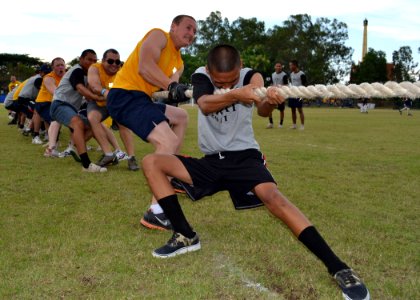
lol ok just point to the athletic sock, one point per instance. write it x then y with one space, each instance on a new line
174 213
270 120
85 160
281 122
156 208
317 245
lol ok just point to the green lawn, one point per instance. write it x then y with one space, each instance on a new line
65 234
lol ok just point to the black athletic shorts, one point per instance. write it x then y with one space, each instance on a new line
235 171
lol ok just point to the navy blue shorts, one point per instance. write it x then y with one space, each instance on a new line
135 110
235 171
43 109
295 102
63 112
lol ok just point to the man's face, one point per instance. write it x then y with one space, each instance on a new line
111 63
225 80
12 78
59 67
184 33
278 68
88 60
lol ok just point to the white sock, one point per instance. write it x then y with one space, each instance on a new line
109 154
156 208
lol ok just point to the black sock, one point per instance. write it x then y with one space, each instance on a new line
317 245
85 160
34 134
270 120
281 122
173 212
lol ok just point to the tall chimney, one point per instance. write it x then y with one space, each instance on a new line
364 49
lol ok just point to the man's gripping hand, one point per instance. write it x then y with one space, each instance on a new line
177 92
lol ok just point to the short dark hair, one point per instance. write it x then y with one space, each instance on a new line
178 19
55 59
111 50
295 62
86 52
223 58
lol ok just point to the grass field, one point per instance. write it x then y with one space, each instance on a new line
65 234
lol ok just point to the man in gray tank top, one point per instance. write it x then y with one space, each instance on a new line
233 162
67 100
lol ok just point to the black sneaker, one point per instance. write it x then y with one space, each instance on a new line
132 164
178 244
352 287
178 187
75 155
155 221
107 160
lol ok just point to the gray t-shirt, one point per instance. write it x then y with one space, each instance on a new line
296 78
229 129
30 90
279 78
66 90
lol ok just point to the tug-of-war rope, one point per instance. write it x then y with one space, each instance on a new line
390 89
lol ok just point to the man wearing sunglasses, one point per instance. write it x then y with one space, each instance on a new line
100 79
154 64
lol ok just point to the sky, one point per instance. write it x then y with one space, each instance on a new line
47 29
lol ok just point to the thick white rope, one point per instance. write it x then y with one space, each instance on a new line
390 89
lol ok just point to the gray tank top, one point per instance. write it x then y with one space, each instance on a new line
229 129
65 91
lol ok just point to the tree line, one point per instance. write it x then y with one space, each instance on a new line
318 45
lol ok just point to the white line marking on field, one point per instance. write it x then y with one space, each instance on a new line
223 262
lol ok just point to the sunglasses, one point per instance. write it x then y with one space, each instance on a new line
112 61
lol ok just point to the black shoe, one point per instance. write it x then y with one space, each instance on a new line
192 192
12 122
178 187
155 221
352 287
132 164
107 160
178 244
74 155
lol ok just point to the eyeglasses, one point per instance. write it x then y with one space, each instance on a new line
112 61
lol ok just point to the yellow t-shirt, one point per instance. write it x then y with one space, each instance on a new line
106 80
128 77
44 95
18 90
14 85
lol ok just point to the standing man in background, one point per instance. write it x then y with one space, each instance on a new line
297 78
279 78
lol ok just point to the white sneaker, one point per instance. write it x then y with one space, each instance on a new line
269 125
293 126
51 153
302 127
94 169
121 155
280 126
37 140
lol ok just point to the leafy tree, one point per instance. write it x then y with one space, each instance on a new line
371 69
212 31
404 64
21 65
318 46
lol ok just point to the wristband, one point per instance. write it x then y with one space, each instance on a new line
103 91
